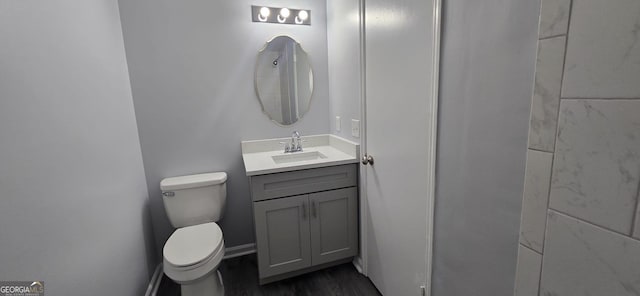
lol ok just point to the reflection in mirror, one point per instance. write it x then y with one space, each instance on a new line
284 80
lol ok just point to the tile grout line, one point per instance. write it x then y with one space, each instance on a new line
555 140
539 150
598 99
554 36
595 225
530 249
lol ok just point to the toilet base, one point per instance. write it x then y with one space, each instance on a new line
211 285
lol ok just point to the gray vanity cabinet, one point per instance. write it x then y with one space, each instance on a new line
315 228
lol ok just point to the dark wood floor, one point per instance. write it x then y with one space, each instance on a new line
240 276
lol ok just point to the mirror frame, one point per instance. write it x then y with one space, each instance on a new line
255 80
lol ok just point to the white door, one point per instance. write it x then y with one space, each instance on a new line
401 81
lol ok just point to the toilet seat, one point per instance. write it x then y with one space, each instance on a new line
192 252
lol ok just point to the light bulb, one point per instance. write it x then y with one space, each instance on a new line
265 12
303 15
285 12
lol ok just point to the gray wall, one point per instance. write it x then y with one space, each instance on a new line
343 42
73 197
487 66
580 230
192 67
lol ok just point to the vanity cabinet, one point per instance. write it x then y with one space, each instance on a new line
305 220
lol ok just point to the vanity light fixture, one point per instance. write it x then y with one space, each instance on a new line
280 15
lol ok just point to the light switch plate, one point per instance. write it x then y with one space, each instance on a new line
338 124
355 128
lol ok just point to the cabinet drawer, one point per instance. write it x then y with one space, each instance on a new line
304 181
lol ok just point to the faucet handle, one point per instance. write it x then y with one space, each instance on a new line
300 141
287 147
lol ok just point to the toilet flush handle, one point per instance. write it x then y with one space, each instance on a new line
169 194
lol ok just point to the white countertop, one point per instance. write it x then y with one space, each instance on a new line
258 155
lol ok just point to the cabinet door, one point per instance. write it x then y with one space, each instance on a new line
334 222
282 235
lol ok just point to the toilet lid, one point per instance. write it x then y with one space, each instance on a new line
193 244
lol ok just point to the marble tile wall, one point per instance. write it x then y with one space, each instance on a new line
528 274
597 162
554 17
546 94
580 229
536 199
636 233
603 53
583 259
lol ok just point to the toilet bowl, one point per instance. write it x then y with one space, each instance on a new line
191 257
193 252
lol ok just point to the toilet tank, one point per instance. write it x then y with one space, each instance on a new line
194 199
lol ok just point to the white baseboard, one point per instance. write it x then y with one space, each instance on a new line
154 283
240 250
357 263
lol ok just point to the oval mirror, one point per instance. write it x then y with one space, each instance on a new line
284 80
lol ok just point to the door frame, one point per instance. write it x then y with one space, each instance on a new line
361 261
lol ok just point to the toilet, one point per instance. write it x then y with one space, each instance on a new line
193 252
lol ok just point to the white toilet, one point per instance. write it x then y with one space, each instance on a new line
193 252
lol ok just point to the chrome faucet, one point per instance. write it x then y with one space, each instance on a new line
296 142
295 145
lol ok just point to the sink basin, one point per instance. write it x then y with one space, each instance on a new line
298 156
267 157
